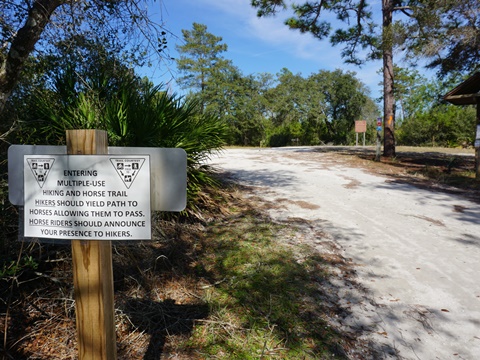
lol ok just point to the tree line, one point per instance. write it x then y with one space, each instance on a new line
444 33
321 108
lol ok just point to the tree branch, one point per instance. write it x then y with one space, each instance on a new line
404 9
23 44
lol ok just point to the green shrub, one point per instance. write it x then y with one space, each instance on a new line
139 115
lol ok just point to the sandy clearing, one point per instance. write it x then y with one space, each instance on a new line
419 266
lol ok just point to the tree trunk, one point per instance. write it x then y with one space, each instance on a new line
388 97
23 44
477 148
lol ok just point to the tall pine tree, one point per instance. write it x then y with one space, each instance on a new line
422 22
200 58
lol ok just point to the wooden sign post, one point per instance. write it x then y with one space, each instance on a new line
360 127
379 138
93 271
477 145
101 195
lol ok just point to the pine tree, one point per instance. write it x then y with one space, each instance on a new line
448 29
200 57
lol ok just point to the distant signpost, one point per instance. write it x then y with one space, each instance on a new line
360 127
379 137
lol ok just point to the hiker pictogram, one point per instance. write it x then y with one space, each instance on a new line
127 169
40 169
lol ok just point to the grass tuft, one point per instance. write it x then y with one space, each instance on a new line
264 303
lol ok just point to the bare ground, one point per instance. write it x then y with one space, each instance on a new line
404 233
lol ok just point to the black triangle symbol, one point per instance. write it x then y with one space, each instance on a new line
40 168
127 169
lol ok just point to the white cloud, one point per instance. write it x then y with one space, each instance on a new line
269 30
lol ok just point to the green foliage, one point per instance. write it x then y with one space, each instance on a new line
261 110
42 27
200 57
220 88
286 134
443 125
289 101
9 215
13 268
345 97
425 119
356 31
447 35
265 301
142 116
106 94
238 99
443 32
319 109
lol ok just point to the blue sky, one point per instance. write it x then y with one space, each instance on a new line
255 45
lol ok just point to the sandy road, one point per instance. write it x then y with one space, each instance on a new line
415 252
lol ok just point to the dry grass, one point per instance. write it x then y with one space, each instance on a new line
197 291
440 169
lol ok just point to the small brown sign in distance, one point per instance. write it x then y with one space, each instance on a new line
360 126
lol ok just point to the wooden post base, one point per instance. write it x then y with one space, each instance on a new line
93 272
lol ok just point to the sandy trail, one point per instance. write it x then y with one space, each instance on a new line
416 252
